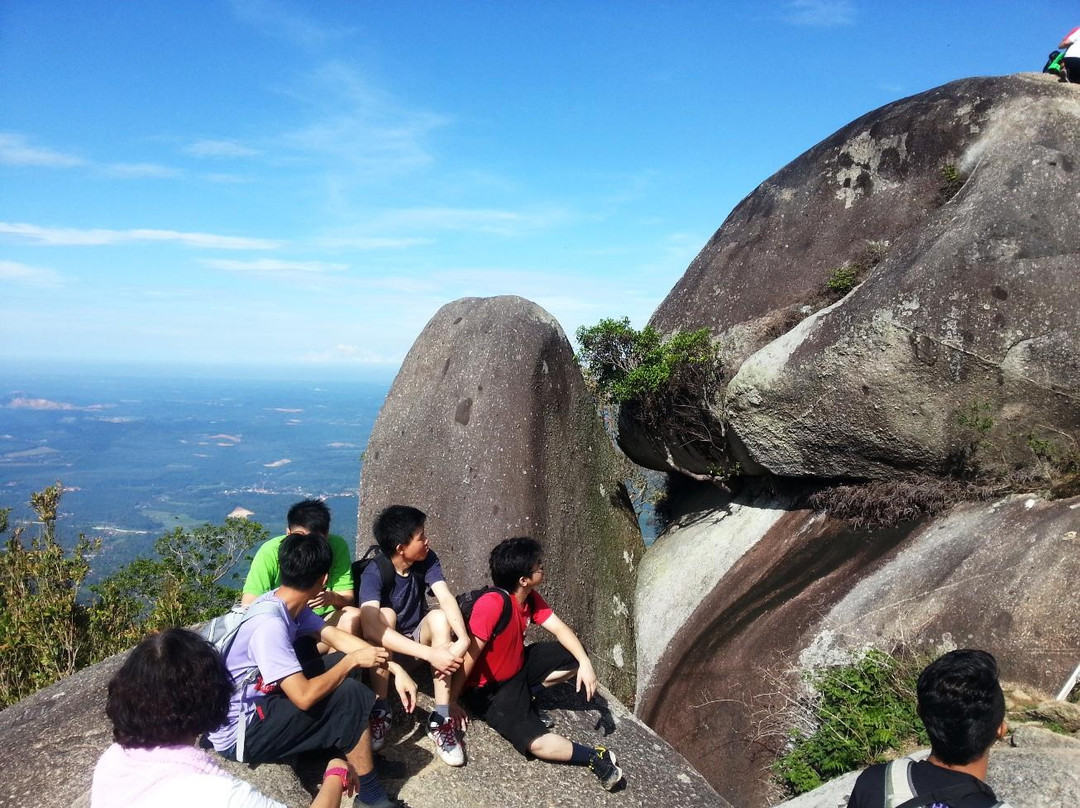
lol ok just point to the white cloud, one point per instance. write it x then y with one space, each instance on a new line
74 237
14 272
281 20
477 220
227 179
140 171
219 149
15 151
371 242
357 126
269 265
820 13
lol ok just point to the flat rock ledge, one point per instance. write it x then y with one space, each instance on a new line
50 742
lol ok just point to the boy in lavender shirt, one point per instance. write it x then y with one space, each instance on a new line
292 707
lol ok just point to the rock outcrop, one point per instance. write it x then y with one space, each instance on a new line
953 211
63 730
489 429
743 594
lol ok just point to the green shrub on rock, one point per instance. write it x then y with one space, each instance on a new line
855 715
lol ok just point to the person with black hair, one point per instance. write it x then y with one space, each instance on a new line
961 704
501 675
170 690
335 604
394 614
295 707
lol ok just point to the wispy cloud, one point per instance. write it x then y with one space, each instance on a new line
819 13
284 21
14 272
370 242
219 149
75 237
16 151
357 126
227 179
137 171
272 266
476 220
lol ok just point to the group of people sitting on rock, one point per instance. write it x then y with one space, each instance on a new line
310 635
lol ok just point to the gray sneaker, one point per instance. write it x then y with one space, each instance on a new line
444 735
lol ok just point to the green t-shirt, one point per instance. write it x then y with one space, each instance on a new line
265 575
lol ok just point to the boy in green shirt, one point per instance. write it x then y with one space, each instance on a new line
334 604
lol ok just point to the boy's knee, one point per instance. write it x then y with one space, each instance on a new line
438 627
349 621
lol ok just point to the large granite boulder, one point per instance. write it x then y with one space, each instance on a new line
62 731
958 204
745 593
489 429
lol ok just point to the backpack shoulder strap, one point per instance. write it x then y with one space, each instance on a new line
386 573
504 615
898 788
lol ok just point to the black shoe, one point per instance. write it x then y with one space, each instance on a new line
603 765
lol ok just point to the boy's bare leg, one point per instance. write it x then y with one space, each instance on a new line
434 632
380 677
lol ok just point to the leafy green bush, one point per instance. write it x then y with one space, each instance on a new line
860 712
666 384
843 279
49 628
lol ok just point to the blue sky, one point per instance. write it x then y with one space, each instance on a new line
262 183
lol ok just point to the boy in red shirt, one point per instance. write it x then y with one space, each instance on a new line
501 675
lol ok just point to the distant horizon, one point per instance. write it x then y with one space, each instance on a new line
57 367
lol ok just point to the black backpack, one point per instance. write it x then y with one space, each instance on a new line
467 600
1055 64
386 572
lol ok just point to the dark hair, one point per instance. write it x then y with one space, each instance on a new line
304 558
512 559
311 514
172 688
396 525
961 704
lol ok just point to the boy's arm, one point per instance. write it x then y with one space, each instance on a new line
378 631
448 603
586 676
457 684
305 693
260 577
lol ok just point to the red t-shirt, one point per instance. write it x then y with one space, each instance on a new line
505 655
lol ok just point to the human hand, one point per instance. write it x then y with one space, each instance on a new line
586 678
371 656
406 690
444 662
459 716
321 599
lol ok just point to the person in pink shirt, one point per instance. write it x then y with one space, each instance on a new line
172 688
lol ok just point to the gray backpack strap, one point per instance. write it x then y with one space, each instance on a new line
898 788
255 610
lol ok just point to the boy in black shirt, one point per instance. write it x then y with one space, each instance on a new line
963 709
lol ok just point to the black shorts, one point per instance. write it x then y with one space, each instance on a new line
278 728
507 706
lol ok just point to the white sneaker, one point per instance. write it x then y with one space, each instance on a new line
380 726
444 736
